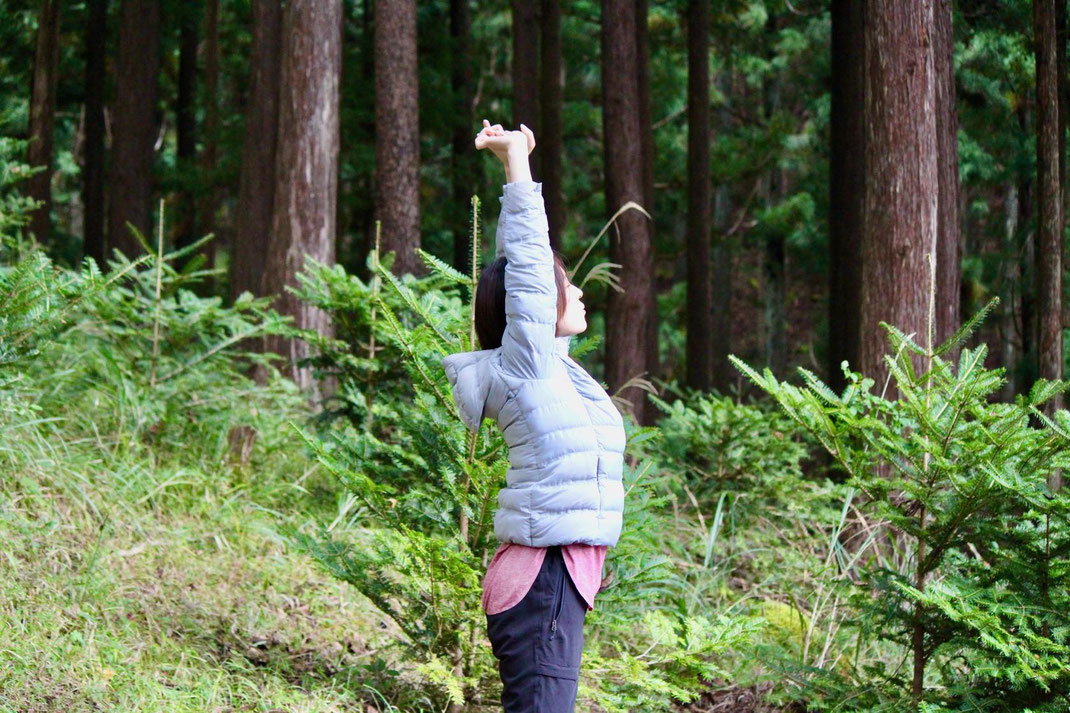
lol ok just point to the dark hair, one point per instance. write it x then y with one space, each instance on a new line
490 300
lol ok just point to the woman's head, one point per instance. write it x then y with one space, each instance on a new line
490 304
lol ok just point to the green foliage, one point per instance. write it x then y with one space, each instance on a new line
967 576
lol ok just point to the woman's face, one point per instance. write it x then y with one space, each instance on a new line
574 318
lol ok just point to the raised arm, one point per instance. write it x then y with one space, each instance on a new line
523 237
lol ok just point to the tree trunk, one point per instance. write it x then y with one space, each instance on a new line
306 168
723 373
1009 286
551 132
96 34
902 178
207 204
628 312
699 307
774 256
134 125
42 117
465 167
949 228
256 184
846 183
646 141
1049 245
397 136
526 72
186 122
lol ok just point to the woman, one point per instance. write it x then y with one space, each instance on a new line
563 501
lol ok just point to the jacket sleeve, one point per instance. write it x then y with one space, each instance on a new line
523 236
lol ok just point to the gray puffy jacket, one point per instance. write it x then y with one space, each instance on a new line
565 436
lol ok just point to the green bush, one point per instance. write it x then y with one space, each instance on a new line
966 586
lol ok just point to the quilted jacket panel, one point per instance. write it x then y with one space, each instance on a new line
565 436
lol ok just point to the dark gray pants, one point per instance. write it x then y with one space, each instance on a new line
539 642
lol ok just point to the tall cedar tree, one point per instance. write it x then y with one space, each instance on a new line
96 33
901 176
206 203
949 226
628 313
526 72
134 124
464 162
646 143
397 132
256 183
1049 245
551 130
846 180
42 117
189 15
699 307
306 168
721 292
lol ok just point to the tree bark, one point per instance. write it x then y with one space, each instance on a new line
306 168
1049 245
699 307
846 188
256 184
646 142
551 132
209 197
96 33
628 314
949 227
397 136
526 72
723 372
186 122
42 117
465 168
134 126
902 177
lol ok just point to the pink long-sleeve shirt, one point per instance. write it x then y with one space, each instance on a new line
515 568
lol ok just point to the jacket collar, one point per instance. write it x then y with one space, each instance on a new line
561 345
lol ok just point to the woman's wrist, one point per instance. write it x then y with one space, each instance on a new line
517 167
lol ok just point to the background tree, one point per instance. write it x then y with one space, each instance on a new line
948 253
464 163
1049 245
96 33
551 131
525 71
397 132
901 175
306 168
42 110
134 123
699 307
628 312
256 186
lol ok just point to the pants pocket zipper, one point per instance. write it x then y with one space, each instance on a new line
559 595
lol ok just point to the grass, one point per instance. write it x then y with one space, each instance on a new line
134 577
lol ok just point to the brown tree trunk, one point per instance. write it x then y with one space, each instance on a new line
526 72
949 228
207 204
628 312
846 183
699 307
551 132
397 136
1049 244
902 177
465 167
646 140
723 372
306 168
96 33
134 124
256 183
186 122
42 117
774 254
